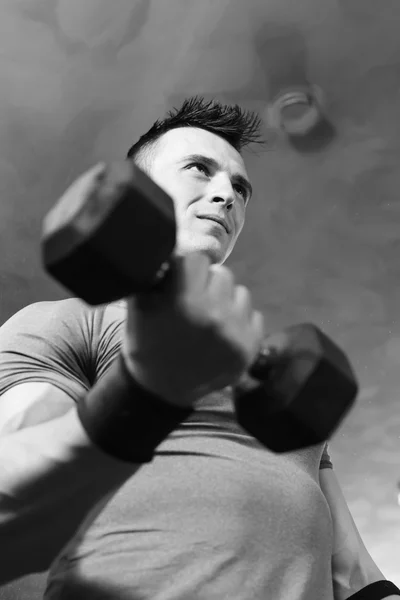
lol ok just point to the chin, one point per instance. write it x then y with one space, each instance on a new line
216 253
216 258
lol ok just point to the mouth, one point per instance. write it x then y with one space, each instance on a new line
218 220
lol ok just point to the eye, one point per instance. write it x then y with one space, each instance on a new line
242 190
199 166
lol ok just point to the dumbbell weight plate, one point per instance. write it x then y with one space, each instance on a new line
298 392
111 242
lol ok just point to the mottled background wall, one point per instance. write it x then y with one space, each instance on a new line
80 80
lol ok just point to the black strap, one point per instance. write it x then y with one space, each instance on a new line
376 591
125 420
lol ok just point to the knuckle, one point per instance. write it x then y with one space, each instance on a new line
244 295
260 322
215 320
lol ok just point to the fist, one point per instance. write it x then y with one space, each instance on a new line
196 334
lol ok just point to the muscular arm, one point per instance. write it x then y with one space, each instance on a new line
53 480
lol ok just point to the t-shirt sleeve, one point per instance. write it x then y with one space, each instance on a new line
59 342
325 462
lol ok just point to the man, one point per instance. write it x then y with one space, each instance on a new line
205 511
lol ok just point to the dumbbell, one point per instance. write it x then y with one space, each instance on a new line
117 240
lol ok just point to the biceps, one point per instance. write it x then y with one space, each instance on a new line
32 403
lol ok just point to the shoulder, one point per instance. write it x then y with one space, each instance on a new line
48 311
63 343
63 316
52 342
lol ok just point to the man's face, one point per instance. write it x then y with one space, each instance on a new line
199 188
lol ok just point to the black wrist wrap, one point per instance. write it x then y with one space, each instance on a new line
376 591
125 420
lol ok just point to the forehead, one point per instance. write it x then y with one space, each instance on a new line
174 145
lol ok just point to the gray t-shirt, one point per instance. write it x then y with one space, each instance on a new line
214 516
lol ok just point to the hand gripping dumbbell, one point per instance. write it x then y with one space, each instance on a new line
118 240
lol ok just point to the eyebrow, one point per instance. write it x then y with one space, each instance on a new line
213 164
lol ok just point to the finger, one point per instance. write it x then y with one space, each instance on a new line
243 300
257 329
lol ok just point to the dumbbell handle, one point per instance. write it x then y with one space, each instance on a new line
267 356
290 347
270 355
298 389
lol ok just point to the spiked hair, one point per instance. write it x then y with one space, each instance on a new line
237 126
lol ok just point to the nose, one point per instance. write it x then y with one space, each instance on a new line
227 201
224 194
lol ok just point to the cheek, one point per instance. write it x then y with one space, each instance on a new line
185 199
239 220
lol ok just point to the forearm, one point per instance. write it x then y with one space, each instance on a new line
52 478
